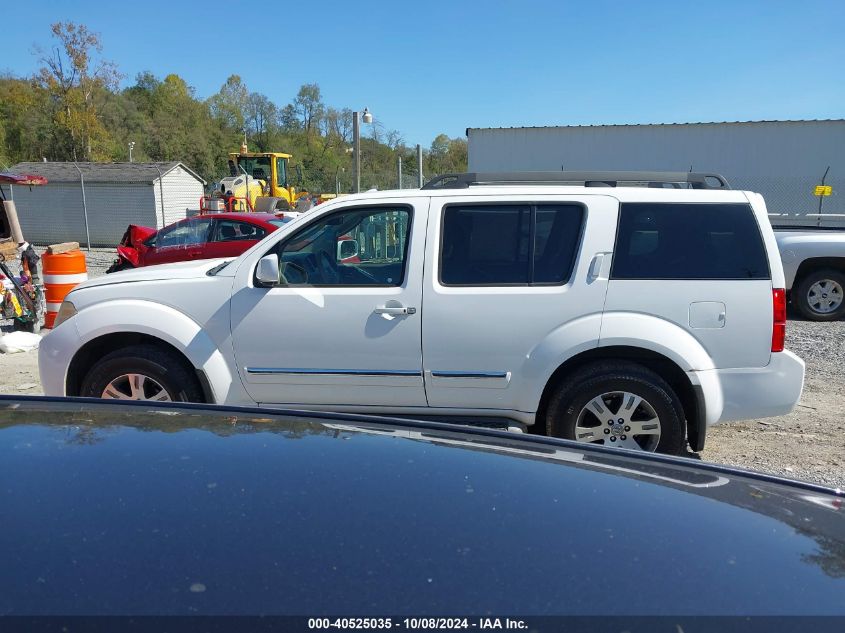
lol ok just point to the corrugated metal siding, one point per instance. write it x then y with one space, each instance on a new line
54 213
182 193
781 160
112 207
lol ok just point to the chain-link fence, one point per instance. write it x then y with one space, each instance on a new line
342 181
793 199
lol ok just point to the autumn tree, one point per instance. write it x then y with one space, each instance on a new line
75 77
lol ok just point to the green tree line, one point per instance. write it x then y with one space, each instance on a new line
74 109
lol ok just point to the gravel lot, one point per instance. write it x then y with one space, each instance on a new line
808 444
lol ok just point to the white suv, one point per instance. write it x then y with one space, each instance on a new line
632 316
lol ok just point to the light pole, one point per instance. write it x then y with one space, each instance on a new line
131 147
356 143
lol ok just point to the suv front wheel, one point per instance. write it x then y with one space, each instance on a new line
618 404
142 372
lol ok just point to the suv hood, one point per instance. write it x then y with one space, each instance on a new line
178 270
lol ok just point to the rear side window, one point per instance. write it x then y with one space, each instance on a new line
689 241
519 244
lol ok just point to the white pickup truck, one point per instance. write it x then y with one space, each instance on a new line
814 267
579 304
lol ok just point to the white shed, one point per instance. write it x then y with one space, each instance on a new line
95 202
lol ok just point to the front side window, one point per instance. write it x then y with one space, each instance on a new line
355 247
255 166
688 241
519 244
185 233
282 172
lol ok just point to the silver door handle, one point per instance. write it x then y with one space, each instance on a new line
595 267
395 311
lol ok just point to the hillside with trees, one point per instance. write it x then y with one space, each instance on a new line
74 108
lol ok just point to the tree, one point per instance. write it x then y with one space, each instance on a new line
74 81
262 118
308 105
288 120
446 155
229 105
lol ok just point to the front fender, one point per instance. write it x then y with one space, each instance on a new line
167 324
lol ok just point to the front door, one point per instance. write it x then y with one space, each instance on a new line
337 329
179 242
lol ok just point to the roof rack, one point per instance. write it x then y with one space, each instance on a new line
676 179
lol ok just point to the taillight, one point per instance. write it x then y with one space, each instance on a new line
778 319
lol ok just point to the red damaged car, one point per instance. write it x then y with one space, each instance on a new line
199 237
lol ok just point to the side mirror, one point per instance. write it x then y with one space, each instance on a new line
347 249
267 271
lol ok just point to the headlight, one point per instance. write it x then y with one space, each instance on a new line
66 311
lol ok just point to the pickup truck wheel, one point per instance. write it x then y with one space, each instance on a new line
820 295
142 372
618 404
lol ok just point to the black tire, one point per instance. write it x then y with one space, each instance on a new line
119 265
165 367
576 390
800 298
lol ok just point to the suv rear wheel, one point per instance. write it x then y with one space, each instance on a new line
142 372
820 296
619 404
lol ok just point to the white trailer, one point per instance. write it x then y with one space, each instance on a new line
783 160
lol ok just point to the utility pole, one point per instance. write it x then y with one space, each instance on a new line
419 166
399 166
356 150
356 143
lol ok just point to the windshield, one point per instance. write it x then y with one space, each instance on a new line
255 166
281 221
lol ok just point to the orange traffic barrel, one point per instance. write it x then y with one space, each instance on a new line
61 273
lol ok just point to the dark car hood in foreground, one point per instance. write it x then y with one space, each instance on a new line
149 510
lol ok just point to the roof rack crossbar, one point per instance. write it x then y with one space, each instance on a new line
695 180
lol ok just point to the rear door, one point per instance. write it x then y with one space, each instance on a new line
702 265
504 273
230 238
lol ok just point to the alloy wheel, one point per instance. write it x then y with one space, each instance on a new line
135 387
825 296
619 418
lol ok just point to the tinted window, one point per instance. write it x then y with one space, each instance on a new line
235 231
509 244
689 241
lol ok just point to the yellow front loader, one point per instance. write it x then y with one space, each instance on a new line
257 181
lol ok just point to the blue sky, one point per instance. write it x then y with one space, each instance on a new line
429 67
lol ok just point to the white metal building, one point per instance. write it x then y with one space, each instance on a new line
783 160
95 202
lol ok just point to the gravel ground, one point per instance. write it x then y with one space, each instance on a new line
808 444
